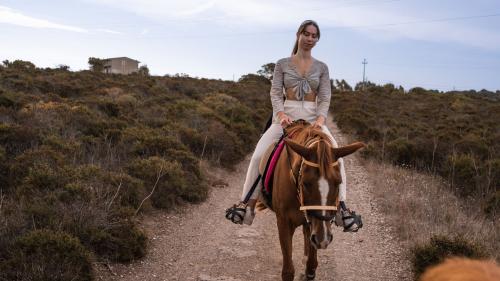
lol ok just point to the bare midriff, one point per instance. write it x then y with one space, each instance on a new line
290 95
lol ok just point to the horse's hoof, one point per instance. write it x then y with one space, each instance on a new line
310 276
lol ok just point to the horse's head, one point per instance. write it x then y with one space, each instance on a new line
318 183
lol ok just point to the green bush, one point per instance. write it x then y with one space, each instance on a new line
119 241
47 255
17 139
121 188
39 170
492 206
9 100
165 177
464 173
439 248
402 151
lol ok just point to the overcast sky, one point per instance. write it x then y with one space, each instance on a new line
445 44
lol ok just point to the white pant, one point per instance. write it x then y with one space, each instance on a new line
295 110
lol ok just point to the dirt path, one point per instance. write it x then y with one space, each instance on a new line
200 244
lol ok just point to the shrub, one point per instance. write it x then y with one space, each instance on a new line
47 255
464 173
9 100
165 177
110 108
492 206
401 151
17 139
439 248
120 241
36 170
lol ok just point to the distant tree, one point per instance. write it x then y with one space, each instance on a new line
63 67
368 85
252 78
144 70
417 90
389 87
343 86
332 84
96 64
181 75
267 70
19 64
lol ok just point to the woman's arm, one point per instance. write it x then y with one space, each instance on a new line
277 88
324 96
277 95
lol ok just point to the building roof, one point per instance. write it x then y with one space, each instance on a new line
122 58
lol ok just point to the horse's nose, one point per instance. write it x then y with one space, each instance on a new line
314 240
324 244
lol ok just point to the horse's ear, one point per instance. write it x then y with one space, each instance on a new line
298 148
340 152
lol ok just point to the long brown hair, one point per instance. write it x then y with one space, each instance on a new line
302 27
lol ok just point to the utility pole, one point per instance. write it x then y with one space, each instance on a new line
364 66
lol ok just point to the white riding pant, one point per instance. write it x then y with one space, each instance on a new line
295 110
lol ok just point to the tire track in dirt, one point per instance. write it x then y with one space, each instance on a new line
198 243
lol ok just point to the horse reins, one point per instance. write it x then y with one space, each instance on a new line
300 186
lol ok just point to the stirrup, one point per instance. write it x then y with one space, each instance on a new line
236 213
356 222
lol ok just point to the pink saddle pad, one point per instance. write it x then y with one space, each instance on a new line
272 165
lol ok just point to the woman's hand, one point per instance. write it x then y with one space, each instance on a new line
320 121
284 119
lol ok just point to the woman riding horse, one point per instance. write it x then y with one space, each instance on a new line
305 82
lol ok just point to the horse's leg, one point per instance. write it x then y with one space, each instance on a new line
286 231
307 233
311 253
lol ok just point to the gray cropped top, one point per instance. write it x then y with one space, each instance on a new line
287 76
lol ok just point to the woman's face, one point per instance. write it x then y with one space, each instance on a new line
308 38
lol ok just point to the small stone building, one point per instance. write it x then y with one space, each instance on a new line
121 65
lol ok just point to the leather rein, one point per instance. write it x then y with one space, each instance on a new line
300 187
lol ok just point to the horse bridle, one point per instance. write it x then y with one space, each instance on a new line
300 188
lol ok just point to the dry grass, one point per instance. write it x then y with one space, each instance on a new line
419 206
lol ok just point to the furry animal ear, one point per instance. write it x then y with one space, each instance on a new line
340 152
299 149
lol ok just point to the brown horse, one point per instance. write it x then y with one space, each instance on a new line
306 187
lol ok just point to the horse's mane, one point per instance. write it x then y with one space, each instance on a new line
304 133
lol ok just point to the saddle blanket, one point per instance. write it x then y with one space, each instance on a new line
267 166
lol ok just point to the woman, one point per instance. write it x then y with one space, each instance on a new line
305 82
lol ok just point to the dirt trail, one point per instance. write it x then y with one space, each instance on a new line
200 244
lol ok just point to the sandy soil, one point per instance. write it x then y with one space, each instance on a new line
198 243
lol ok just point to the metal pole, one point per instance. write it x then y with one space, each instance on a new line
364 66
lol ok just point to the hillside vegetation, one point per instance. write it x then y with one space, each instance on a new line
452 134
81 151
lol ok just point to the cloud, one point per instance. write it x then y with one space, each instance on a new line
389 25
109 31
10 16
369 18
